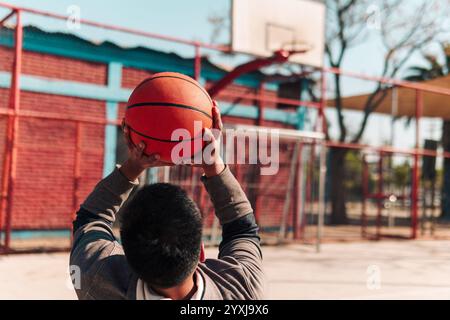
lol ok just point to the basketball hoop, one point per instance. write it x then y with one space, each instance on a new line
296 27
298 47
289 50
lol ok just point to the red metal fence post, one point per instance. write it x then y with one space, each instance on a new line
76 172
321 203
260 103
365 191
415 177
197 63
298 215
380 195
5 176
309 195
257 179
12 134
6 152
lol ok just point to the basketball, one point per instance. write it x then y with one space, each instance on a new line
164 103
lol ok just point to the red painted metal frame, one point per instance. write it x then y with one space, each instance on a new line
380 202
394 82
297 218
417 152
13 113
260 104
197 63
9 15
76 172
268 99
416 178
54 116
387 149
380 196
280 56
9 165
119 29
309 194
365 195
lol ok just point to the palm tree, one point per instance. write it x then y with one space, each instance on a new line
436 70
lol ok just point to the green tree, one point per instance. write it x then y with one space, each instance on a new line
353 173
401 175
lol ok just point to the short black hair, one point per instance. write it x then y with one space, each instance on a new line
161 234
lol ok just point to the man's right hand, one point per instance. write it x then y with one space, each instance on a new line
213 163
137 160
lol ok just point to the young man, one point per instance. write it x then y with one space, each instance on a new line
161 254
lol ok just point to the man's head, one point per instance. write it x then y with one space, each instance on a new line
161 234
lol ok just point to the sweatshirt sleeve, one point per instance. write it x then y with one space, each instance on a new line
240 245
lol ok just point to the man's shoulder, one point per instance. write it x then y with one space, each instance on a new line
104 271
226 279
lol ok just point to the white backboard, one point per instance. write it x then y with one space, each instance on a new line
260 27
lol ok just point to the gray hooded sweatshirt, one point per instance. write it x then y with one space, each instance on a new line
104 272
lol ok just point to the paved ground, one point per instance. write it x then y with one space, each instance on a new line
383 270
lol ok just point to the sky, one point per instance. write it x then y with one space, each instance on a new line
189 20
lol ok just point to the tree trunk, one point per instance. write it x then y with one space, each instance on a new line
445 202
338 192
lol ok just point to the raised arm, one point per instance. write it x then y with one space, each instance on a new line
240 243
93 240
97 213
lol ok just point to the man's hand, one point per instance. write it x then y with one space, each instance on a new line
213 162
137 160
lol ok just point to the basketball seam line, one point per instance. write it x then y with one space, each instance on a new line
134 145
195 84
158 139
167 104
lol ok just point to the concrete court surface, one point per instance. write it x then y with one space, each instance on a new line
365 270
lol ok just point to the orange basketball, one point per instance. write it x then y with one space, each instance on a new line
166 102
